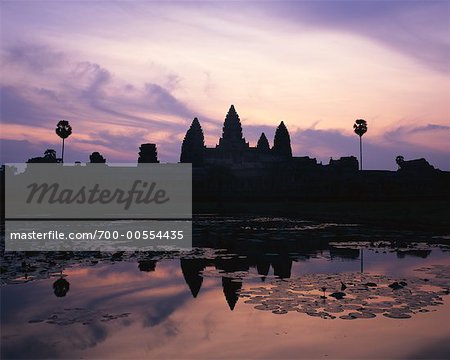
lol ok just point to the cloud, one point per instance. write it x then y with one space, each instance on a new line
165 102
107 113
430 127
408 129
436 349
17 108
253 132
430 136
161 311
36 57
121 87
27 347
417 29
86 85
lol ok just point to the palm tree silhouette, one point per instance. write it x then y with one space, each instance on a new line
63 130
360 128
50 154
61 287
400 160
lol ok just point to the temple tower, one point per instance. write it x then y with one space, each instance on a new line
263 144
232 139
192 149
282 142
148 154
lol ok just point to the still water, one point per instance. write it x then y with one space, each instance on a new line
251 288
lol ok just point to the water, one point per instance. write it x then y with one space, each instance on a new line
252 288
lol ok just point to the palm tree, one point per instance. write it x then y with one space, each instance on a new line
50 154
399 160
360 128
63 130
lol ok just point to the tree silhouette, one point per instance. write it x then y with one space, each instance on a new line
50 154
400 160
63 130
360 128
61 287
96 158
49 157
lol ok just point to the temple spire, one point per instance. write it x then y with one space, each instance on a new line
148 153
193 144
232 131
282 142
263 143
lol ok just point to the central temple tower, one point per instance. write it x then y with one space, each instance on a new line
232 139
233 150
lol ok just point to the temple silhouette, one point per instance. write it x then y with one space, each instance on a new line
234 170
233 149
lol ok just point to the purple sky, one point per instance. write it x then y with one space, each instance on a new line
128 72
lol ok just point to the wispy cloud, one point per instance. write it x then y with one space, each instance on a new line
430 127
418 29
106 112
323 63
36 57
17 108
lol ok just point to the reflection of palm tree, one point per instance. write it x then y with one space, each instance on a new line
63 130
147 265
61 287
360 128
323 288
362 260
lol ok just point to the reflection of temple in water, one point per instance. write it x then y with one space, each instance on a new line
344 253
192 272
231 289
416 253
192 269
233 266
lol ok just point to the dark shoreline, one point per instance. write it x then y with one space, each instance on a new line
424 215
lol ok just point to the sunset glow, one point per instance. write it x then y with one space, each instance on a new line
126 73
